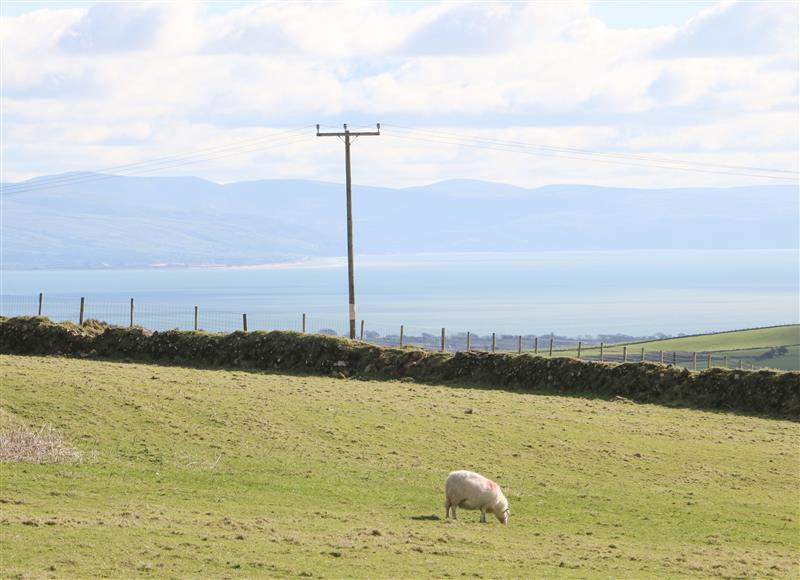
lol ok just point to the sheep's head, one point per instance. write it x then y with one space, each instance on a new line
502 512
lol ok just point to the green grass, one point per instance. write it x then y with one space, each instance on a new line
744 345
216 473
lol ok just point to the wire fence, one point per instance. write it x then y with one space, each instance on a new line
162 317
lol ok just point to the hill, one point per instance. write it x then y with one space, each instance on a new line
100 221
213 473
776 347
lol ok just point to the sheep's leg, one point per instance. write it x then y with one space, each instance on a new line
453 511
483 515
446 508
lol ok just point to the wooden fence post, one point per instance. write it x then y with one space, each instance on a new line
674 358
641 356
244 322
551 346
624 354
41 299
362 330
519 345
694 361
602 357
80 316
469 346
740 364
725 362
661 355
579 349
401 335
195 317
304 322
442 339
536 345
708 361
131 312
494 342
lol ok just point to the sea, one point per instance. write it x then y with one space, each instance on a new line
570 293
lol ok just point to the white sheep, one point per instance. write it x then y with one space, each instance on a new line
472 491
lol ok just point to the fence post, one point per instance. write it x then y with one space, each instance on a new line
401 335
131 312
442 339
694 361
624 354
361 335
244 322
80 316
494 342
195 317
41 299
519 345
661 355
602 357
536 345
708 361
641 356
469 346
674 358
579 349
725 362
304 322
551 347
740 364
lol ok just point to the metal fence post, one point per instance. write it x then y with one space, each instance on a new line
519 345
694 361
41 299
304 322
602 357
469 345
494 342
131 312
536 345
244 322
624 354
442 339
401 335
551 347
80 316
195 317
362 330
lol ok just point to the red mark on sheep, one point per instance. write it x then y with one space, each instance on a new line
492 485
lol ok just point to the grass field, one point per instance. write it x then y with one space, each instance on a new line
744 345
216 473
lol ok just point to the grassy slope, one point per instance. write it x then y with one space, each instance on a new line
740 344
236 474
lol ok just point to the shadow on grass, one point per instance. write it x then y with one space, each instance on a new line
429 518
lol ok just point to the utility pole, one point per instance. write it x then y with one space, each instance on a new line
347 134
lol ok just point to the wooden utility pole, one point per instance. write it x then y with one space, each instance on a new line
347 134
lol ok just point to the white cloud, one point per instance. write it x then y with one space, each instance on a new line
89 88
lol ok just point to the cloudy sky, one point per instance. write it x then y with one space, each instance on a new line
498 91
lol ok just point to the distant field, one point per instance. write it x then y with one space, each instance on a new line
744 345
215 473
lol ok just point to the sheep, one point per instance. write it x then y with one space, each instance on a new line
472 491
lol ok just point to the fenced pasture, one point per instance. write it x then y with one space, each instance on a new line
772 347
227 473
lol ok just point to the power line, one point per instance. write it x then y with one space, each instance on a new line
531 149
132 169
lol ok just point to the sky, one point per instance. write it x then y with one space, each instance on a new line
232 91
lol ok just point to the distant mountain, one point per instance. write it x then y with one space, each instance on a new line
113 221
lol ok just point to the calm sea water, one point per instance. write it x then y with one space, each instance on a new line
569 293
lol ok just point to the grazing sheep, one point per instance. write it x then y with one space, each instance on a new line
472 491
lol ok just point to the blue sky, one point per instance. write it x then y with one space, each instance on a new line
92 85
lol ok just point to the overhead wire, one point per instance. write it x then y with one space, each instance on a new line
529 149
133 169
